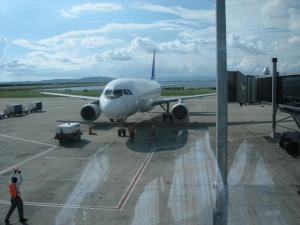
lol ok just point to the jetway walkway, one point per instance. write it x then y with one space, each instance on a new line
247 89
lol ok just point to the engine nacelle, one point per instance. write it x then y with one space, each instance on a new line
90 112
180 112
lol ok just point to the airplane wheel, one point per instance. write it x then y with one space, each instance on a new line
282 142
119 132
171 118
124 133
111 120
164 117
292 148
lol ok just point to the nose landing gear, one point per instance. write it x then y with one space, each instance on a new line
122 130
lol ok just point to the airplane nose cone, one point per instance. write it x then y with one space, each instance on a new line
113 109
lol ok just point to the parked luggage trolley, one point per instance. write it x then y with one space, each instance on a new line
35 106
4 113
15 109
68 132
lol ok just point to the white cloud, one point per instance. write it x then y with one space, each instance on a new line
258 31
294 40
188 14
144 43
3 45
116 55
27 44
294 19
15 65
92 7
249 65
247 47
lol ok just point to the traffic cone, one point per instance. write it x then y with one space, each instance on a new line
90 129
153 130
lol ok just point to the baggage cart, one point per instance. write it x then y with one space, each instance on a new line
68 132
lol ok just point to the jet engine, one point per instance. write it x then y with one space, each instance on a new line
91 111
180 112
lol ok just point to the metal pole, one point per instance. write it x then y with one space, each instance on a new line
274 97
220 212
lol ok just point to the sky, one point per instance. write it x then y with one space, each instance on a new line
42 40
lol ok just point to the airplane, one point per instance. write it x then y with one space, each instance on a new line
123 97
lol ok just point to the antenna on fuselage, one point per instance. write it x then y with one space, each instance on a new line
153 67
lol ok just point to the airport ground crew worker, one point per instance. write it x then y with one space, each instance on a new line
15 193
131 132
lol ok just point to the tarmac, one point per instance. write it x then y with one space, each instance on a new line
166 178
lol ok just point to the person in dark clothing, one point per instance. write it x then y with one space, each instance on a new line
131 132
15 193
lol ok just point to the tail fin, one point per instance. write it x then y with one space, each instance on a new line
153 67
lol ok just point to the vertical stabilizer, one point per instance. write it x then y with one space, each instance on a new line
153 67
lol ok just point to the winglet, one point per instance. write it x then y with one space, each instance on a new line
153 67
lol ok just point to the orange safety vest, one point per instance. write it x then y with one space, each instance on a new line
131 128
13 190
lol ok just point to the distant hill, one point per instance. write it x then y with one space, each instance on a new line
106 80
186 78
59 81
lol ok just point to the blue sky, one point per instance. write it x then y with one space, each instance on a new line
73 39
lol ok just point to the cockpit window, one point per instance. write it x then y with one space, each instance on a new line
108 92
129 91
113 94
125 92
118 92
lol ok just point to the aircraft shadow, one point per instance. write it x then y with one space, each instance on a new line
173 134
202 114
75 144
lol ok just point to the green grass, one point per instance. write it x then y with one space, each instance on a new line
94 93
45 86
185 92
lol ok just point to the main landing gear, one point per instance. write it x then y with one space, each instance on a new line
167 115
122 130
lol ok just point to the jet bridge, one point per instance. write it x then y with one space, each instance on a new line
258 89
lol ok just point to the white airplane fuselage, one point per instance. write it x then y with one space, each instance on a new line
124 97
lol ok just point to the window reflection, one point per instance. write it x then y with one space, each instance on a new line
125 92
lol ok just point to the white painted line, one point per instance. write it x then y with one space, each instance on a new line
21 139
62 205
136 178
31 158
27 160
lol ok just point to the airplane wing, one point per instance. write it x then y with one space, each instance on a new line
71 96
176 99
